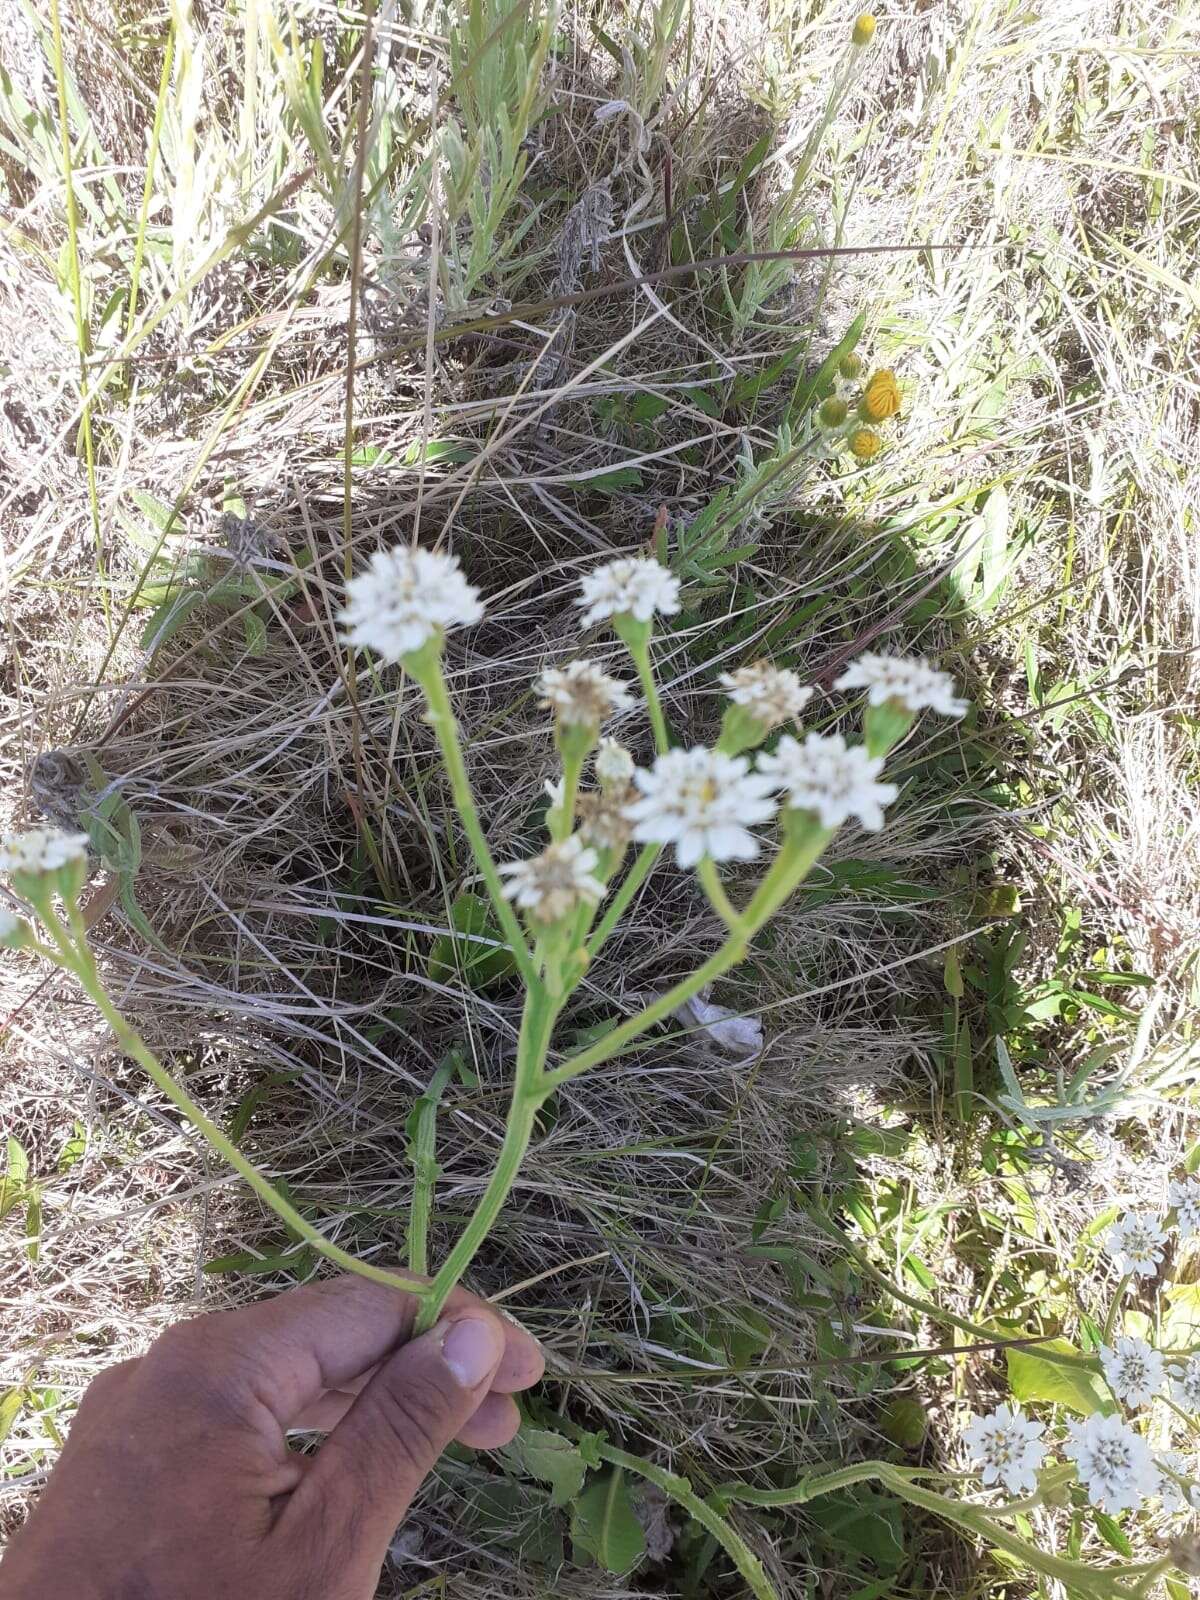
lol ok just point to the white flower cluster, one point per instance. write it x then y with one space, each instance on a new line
772 695
405 597
833 779
41 850
703 803
1008 1448
634 586
909 681
1113 1456
580 695
1133 1369
554 884
1114 1463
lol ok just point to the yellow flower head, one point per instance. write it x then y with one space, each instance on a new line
832 412
881 397
864 29
865 444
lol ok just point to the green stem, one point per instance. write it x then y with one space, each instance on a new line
1110 1320
564 814
710 878
641 660
1074 1575
792 866
529 1092
441 716
619 903
831 1230
84 966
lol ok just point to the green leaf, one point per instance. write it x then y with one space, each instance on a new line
603 1525
283 1258
506 1515
15 1179
463 954
1111 1533
1031 1377
33 1224
551 1459
863 1523
74 1149
11 1402
608 482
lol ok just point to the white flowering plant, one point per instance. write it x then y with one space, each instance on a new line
767 789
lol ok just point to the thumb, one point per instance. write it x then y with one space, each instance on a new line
372 1464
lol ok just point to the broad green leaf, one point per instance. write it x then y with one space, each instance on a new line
551 1459
1032 1377
604 1526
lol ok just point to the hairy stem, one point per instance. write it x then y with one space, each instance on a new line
84 966
617 906
792 865
441 717
528 1093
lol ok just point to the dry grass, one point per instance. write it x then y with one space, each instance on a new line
1052 349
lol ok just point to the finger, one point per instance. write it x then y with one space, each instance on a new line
493 1425
327 1335
374 1461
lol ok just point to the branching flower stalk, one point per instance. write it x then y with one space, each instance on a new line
708 807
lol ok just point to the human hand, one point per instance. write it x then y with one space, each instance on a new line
177 1483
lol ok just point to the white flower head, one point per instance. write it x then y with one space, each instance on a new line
1185 1382
551 886
772 695
1007 1447
908 680
1175 1496
613 765
703 803
1135 1244
404 598
1115 1464
603 818
1134 1370
1184 1196
829 777
635 586
580 695
41 850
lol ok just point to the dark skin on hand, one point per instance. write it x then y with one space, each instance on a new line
177 1482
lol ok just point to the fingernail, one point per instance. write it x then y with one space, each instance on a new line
472 1350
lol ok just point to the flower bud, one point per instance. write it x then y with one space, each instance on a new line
864 30
850 365
881 397
832 412
865 444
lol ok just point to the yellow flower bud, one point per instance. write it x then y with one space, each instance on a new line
832 412
864 29
881 397
850 366
865 444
